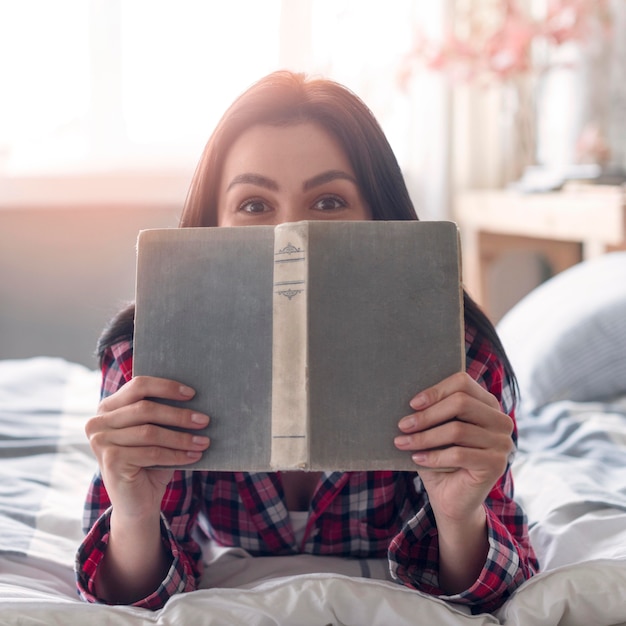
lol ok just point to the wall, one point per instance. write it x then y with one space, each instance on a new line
65 270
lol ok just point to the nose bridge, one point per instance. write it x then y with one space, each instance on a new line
291 209
292 213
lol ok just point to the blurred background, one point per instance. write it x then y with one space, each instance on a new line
507 116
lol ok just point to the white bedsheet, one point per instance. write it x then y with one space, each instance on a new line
568 476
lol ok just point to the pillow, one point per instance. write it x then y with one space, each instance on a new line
567 338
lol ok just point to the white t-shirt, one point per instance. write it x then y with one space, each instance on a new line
298 523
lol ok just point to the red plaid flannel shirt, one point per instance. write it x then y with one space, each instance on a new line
358 514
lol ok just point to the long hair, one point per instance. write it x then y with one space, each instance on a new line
286 98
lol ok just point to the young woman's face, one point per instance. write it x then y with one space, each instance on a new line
277 174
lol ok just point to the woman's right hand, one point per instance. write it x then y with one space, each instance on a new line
131 434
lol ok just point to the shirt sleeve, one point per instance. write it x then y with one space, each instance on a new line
414 552
178 517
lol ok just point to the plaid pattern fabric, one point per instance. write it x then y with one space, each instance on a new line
356 514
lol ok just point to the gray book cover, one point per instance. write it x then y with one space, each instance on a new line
381 319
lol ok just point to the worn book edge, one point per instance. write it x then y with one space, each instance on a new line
299 460
290 388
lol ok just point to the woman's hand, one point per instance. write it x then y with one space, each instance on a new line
458 426
132 434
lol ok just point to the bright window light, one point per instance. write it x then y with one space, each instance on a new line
109 86
186 63
124 84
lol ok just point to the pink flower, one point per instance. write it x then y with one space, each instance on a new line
454 56
508 48
485 52
566 20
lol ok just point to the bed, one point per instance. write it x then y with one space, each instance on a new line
567 340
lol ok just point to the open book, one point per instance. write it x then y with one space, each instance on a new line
305 341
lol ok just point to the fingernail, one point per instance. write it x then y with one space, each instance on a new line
186 391
199 440
418 457
199 418
407 422
402 441
418 401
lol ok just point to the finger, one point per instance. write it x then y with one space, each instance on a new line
150 435
452 433
147 411
459 382
492 462
458 407
467 439
145 457
142 387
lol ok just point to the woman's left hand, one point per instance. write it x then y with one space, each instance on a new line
457 424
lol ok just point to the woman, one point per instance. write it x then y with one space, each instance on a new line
291 149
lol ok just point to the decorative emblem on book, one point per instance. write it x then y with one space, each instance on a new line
290 293
289 249
290 290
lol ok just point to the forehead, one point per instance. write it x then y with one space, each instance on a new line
306 146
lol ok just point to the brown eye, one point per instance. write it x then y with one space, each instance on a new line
329 203
254 206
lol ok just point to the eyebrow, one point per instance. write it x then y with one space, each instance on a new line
268 183
326 177
253 179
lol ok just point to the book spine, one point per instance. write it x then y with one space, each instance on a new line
290 402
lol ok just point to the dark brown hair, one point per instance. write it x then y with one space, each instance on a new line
286 98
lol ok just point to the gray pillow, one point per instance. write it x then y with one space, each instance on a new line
567 338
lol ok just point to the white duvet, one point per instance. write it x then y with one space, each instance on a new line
570 476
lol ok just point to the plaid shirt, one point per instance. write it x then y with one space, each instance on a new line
356 514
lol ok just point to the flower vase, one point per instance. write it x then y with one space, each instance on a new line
517 129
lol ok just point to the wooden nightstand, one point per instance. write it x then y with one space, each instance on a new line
564 227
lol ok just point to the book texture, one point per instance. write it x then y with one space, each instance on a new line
306 341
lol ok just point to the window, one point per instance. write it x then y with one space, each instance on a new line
103 84
136 86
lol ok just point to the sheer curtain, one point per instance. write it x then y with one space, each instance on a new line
136 86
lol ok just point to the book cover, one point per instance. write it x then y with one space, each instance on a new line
304 341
